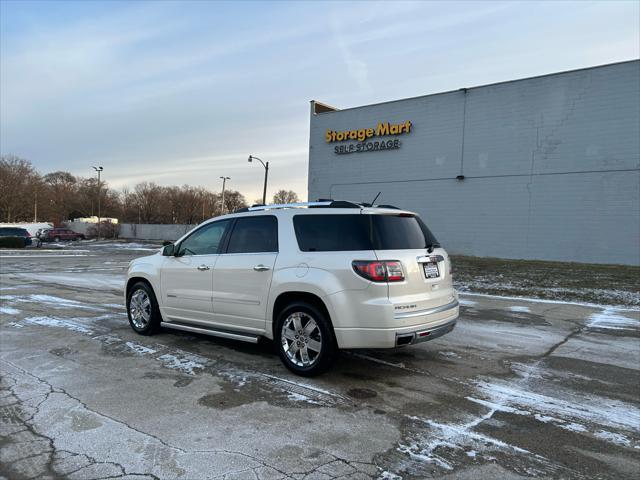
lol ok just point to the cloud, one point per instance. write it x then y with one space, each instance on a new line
182 92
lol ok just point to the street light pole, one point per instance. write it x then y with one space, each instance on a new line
266 176
99 170
224 181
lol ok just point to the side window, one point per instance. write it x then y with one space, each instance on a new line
204 241
254 235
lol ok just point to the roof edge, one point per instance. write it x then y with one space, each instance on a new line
331 109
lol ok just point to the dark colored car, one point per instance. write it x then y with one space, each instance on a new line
60 234
16 232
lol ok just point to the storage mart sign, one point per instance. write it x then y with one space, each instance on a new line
363 135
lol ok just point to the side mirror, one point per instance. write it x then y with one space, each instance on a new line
166 242
168 250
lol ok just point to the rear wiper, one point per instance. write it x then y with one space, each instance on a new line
431 246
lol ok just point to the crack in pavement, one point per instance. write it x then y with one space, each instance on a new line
52 465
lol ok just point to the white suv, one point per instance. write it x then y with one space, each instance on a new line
313 277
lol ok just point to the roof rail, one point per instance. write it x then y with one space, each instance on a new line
289 205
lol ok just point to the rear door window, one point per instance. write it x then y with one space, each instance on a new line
332 233
257 234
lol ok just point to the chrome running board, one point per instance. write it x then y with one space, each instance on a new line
213 332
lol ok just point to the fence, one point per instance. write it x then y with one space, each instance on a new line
152 231
137 231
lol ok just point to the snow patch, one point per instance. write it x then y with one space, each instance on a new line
449 354
518 308
574 414
466 303
95 281
443 436
50 301
181 363
548 301
612 437
140 349
9 311
612 319
385 475
58 323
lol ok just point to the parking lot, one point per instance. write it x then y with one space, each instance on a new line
521 388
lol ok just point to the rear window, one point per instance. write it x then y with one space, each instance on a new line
331 233
401 232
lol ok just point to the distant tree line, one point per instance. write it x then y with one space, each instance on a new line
25 195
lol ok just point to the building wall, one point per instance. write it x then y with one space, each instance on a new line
551 165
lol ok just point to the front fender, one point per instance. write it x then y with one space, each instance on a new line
147 271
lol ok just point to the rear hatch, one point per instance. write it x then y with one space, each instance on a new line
427 281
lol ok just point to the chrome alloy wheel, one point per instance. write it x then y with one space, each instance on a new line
140 309
301 339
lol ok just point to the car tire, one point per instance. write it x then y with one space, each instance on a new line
142 309
305 340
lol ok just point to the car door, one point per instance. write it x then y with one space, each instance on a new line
242 275
187 278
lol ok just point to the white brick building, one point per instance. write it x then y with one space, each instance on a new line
540 168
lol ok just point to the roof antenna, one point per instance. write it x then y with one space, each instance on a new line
374 200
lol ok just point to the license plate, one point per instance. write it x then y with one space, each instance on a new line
431 270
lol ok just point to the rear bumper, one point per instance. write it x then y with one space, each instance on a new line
412 338
430 324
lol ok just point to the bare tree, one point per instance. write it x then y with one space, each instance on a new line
62 188
19 183
150 203
62 196
285 196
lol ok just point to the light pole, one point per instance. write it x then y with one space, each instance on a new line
266 175
99 170
224 182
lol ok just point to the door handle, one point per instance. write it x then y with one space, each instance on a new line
261 268
203 267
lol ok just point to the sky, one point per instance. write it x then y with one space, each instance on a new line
182 92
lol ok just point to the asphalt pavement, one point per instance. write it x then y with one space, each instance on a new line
521 388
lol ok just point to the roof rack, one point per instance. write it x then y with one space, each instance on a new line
321 203
289 205
318 204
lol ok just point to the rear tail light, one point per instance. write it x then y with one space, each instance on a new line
379 271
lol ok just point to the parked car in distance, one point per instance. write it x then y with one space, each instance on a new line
16 232
60 234
313 277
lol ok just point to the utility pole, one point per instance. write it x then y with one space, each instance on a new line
35 209
224 181
266 175
99 170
